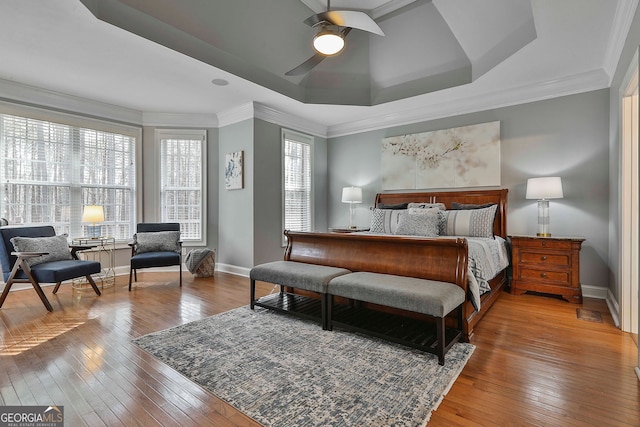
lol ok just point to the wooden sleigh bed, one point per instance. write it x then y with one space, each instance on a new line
475 197
444 259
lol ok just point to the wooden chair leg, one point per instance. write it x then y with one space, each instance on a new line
34 282
55 290
7 288
181 274
93 284
131 270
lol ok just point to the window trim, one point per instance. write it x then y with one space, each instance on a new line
303 139
164 133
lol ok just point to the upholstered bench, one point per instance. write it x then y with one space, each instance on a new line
299 275
430 297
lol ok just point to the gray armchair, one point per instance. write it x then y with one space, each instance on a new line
155 245
36 255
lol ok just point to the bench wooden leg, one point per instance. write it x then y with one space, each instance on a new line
440 333
253 294
323 310
329 324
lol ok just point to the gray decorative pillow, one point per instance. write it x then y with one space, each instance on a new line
460 206
56 246
424 224
440 206
158 241
397 206
385 220
469 222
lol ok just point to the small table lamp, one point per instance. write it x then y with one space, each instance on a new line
544 189
351 195
93 214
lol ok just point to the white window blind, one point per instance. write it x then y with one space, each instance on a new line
183 153
50 171
297 181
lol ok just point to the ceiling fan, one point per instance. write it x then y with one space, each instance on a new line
333 26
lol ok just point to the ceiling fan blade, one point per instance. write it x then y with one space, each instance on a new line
346 18
306 66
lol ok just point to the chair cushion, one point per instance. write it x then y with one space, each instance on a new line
155 259
56 246
158 241
58 271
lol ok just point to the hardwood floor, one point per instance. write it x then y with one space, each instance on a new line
535 363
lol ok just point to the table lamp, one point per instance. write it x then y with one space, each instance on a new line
93 214
543 189
351 195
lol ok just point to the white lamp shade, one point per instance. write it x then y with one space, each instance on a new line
352 195
93 214
544 188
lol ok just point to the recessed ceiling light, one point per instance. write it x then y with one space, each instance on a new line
220 82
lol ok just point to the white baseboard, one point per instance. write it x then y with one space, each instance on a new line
597 292
614 308
233 269
638 372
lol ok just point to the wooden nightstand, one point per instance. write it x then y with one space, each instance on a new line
547 264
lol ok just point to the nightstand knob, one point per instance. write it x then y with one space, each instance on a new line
544 258
544 243
543 275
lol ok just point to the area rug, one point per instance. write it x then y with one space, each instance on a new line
285 371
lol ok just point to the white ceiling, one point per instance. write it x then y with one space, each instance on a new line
60 46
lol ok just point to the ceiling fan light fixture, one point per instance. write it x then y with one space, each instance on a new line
329 40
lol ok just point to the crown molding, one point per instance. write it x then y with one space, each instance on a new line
256 110
38 97
180 120
625 11
584 82
235 115
291 121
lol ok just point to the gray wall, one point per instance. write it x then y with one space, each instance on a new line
566 136
235 207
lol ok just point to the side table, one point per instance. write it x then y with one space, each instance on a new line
548 265
103 250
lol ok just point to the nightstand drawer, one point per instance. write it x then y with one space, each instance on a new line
542 243
558 277
543 258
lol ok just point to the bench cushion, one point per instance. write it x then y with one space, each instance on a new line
299 275
407 293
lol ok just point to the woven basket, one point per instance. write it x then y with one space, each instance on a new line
207 266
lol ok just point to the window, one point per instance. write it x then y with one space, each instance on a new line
182 181
50 170
297 181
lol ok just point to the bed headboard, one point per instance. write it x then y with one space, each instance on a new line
447 197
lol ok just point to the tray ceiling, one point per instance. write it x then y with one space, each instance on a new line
428 45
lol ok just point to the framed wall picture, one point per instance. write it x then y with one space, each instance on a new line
233 170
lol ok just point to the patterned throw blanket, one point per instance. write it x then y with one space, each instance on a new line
487 258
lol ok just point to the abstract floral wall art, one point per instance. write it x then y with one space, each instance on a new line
467 156
233 179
